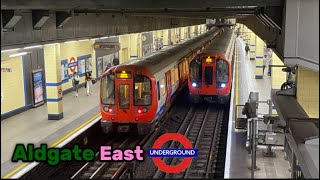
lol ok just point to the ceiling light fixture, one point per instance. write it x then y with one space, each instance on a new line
31 47
18 54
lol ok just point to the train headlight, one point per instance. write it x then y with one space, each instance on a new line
194 85
107 109
223 85
142 110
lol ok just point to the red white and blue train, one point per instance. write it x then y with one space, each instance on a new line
135 95
210 76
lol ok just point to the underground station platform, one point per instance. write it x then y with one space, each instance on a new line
160 90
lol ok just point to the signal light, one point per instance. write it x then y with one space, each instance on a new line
139 111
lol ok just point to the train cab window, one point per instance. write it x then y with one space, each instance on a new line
142 90
222 71
195 71
107 89
124 96
163 86
208 75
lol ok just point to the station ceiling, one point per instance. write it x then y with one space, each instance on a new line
138 12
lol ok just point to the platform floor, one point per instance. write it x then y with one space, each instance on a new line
238 160
33 126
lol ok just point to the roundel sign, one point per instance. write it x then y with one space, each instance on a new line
169 168
72 64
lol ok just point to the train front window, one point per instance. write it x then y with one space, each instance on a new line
222 71
142 90
208 75
107 89
124 96
195 71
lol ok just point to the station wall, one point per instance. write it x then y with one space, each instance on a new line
308 91
12 85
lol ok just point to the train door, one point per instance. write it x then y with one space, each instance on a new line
124 95
208 71
169 87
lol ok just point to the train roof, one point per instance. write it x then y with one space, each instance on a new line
220 43
159 59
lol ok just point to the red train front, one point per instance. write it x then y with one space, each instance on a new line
126 99
210 75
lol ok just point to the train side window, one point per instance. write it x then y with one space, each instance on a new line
180 70
208 75
163 86
172 77
176 74
158 86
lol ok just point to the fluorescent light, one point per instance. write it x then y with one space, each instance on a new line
83 40
104 37
31 47
94 39
18 54
69 41
10 50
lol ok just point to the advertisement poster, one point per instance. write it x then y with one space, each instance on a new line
99 66
88 65
37 87
107 61
64 70
81 67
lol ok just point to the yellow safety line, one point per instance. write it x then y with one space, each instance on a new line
54 144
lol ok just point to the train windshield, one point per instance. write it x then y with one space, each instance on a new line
107 89
195 71
222 71
142 90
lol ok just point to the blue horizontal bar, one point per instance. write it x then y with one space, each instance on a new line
252 51
259 66
14 110
168 152
133 56
54 99
54 84
259 57
84 57
252 45
54 114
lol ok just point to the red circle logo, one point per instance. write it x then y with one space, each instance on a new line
162 165
72 67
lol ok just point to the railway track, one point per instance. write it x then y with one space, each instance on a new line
99 169
203 131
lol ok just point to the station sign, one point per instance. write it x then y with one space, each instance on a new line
106 45
72 64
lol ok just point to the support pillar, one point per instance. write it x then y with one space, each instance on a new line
259 57
53 81
166 41
182 33
277 76
252 46
133 46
